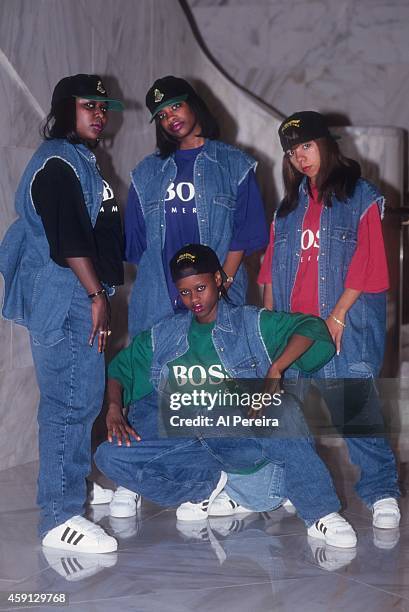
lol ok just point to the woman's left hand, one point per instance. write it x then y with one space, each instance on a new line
272 383
336 330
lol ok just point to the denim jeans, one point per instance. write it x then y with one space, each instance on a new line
71 378
173 471
355 409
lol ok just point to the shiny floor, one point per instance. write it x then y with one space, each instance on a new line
260 562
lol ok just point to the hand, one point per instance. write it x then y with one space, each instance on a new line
119 427
101 318
336 330
272 383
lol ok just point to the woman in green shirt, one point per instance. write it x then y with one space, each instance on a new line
193 360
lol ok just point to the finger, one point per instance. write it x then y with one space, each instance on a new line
92 336
134 434
338 344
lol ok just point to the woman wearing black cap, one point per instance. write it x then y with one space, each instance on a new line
326 257
193 189
200 354
59 260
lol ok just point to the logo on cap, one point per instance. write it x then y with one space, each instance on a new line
186 256
158 95
100 88
293 123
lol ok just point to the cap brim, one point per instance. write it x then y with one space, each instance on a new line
115 105
168 103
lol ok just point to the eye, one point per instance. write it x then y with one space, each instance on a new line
176 105
89 105
184 292
104 109
161 116
290 153
306 145
201 288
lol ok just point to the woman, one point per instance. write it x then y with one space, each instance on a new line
193 189
326 257
60 260
200 351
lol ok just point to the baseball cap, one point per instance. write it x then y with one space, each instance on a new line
166 91
194 259
88 86
302 127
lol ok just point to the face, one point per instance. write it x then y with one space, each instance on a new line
306 159
179 121
91 118
200 294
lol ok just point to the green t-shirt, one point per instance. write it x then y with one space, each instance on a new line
131 367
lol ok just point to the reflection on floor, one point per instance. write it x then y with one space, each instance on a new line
260 562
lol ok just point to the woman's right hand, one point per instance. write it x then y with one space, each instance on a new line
119 427
101 318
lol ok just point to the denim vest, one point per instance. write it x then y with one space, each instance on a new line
218 171
363 340
236 337
37 291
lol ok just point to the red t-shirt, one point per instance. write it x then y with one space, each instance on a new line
368 270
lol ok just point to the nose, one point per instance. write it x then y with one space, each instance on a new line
299 153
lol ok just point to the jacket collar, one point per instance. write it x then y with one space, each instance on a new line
209 150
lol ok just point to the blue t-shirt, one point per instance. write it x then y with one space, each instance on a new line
249 230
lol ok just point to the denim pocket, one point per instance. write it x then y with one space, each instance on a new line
343 245
226 201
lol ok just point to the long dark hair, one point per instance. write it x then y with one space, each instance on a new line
167 145
337 177
61 122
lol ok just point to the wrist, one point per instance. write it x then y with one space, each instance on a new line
115 407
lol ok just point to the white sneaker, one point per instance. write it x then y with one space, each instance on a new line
334 530
200 530
124 503
224 505
80 535
200 511
77 566
99 495
386 514
386 539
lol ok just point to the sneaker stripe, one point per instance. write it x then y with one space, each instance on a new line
77 563
65 568
64 535
72 536
78 539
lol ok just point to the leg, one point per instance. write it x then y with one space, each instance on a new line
71 380
355 409
168 472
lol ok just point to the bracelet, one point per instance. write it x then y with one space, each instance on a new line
100 292
337 321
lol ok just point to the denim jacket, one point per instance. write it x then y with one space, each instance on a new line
219 169
236 337
38 292
363 339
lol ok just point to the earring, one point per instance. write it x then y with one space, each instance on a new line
220 294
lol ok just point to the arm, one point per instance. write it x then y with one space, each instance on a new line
116 423
231 264
336 320
84 269
296 346
268 296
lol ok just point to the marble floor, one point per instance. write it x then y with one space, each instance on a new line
260 562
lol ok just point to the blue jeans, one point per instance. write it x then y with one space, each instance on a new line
354 407
71 379
173 471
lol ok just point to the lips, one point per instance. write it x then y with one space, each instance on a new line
176 126
197 308
97 127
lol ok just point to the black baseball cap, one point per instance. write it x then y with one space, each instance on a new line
194 259
165 91
88 86
302 127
